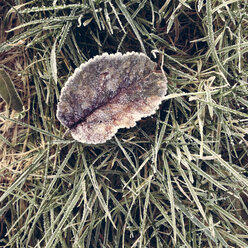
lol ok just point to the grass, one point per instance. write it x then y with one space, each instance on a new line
177 179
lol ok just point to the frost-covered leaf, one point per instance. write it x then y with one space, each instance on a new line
110 92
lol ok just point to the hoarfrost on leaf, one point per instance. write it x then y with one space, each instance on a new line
109 92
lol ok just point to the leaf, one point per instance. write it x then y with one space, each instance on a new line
8 92
110 92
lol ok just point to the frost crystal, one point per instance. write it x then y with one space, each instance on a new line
109 92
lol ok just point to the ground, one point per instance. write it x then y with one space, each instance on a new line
178 178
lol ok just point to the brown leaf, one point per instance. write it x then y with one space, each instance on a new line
110 92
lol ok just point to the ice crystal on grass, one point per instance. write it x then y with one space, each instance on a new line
109 92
